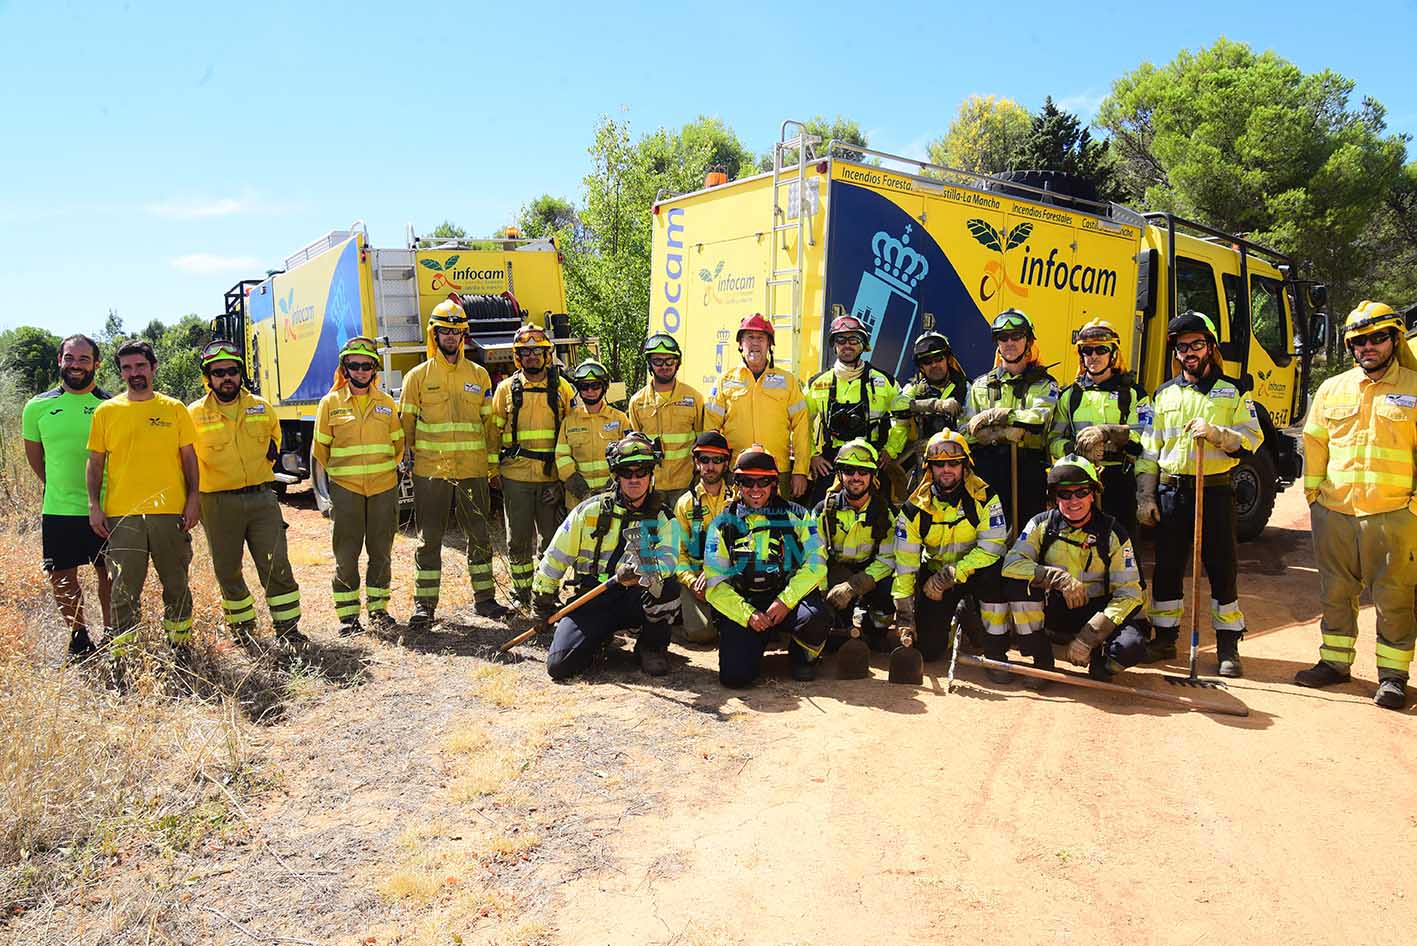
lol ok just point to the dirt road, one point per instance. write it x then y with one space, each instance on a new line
422 793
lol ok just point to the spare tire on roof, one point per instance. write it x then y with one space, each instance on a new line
1055 182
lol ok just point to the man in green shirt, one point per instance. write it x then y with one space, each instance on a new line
55 428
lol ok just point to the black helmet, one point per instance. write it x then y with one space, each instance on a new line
1188 322
1011 320
931 343
630 449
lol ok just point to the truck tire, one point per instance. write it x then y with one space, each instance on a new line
1255 483
1057 182
320 486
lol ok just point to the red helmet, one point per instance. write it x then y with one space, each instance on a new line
849 325
756 322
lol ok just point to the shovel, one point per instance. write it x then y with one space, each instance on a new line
1193 680
853 660
907 665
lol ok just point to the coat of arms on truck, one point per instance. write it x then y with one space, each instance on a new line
890 289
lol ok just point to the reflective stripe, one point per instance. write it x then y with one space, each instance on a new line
712 407
376 594
1166 614
357 469
341 596
995 615
229 605
286 614
426 591
424 573
283 599
423 427
1227 616
347 610
1027 615
524 435
468 445
1393 658
377 449
323 438
238 617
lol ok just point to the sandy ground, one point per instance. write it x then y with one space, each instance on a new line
832 812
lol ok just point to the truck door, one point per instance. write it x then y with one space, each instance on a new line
1196 291
1263 321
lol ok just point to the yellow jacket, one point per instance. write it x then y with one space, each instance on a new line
676 419
694 514
769 409
530 456
359 446
444 410
234 455
580 448
1360 443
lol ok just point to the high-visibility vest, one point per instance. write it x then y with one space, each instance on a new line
875 411
525 426
931 532
1168 448
234 454
1084 403
674 419
444 411
359 446
864 539
1031 398
1360 443
694 514
1102 560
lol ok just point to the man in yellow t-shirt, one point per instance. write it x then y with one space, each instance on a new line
144 440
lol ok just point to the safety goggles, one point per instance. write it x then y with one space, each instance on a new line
590 385
715 459
852 339
1088 351
1074 492
359 366
753 482
1372 340
1188 348
634 471
218 350
441 330
666 361
1010 336
225 372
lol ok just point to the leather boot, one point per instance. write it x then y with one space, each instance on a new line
1040 648
996 647
1227 653
1162 646
1391 694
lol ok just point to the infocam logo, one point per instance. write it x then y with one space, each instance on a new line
1044 272
725 288
448 276
294 317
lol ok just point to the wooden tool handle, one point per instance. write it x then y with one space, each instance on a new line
1053 675
532 631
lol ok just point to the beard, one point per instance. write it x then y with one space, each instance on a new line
77 378
138 383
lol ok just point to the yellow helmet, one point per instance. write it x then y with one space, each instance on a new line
858 454
948 444
1098 332
530 336
447 314
1372 317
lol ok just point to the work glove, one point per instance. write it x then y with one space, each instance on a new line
1223 437
1091 443
1147 512
1311 496
1098 628
939 583
1118 436
944 406
552 494
844 593
989 417
543 606
989 436
576 487
1052 578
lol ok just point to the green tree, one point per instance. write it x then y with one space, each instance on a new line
547 216
31 355
447 230
985 136
828 129
1391 244
1058 141
1249 143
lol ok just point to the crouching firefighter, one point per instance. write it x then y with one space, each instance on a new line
693 512
764 563
949 542
1072 579
619 535
857 526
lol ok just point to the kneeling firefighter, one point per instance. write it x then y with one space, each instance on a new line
763 560
620 532
1072 579
857 525
950 539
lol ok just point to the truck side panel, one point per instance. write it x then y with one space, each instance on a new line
318 307
533 276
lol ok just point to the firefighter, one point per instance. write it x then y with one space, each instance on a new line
238 437
695 511
1072 579
1100 416
1011 407
936 396
756 403
443 407
950 539
621 532
764 564
1199 402
1360 478
852 400
857 525
55 428
360 442
147 509
527 411
590 427
671 413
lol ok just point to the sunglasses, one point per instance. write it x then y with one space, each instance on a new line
663 362
1011 336
937 464
925 361
753 482
854 471
359 366
636 472
1090 350
1370 341
1192 347
589 385
441 330
1077 492
225 372
715 459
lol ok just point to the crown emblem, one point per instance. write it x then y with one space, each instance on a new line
896 262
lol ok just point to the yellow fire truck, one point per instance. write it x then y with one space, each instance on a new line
908 246
293 323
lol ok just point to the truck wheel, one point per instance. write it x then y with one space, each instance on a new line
1254 480
320 486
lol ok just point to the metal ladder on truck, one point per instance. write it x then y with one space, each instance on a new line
791 214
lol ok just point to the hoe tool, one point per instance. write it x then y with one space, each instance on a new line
853 660
538 627
1202 705
1196 600
907 665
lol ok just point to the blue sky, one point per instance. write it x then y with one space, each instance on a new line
151 155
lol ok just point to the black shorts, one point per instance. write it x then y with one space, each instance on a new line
68 542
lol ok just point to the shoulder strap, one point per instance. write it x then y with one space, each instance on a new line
1075 393
1124 397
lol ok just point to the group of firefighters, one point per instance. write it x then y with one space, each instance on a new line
1021 497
